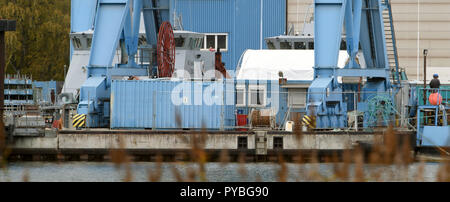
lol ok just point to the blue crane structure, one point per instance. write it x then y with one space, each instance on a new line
114 22
364 22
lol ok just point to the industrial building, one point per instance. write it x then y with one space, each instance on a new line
18 91
22 90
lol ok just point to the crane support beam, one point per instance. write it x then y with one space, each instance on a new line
364 27
131 31
328 21
151 28
109 23
155 13
83 15
353 28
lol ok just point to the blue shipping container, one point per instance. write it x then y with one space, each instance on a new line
164 104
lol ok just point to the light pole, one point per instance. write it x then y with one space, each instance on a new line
65 71
425 53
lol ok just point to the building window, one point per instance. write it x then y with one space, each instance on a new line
242 143
240 96
277 142
297 97
215 41
257 96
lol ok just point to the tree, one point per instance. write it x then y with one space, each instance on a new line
40 46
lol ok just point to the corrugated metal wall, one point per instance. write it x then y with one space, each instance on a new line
239 18
434 30
433 26
150 104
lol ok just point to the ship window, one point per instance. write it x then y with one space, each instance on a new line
285 45
76 43
242 143
214 41
343 45
179 42
89 42
240 96
277 142
142 41
311 45
199 43
211 42
299 45
222 42
257 96
192 43
270 45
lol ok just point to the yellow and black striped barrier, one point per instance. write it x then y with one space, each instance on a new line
79 120
309 121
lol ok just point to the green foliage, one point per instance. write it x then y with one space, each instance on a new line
40 46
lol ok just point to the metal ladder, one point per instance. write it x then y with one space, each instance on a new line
391 43
286 116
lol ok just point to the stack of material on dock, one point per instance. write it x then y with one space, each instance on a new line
29 125
262 118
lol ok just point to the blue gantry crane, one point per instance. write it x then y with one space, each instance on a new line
364 22
116 22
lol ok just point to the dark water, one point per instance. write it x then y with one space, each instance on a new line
215 172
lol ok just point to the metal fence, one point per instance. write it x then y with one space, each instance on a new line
444 94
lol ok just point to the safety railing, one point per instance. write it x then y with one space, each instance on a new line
436 95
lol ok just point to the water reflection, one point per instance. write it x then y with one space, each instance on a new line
215 172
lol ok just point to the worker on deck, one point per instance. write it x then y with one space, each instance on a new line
435 83
435 98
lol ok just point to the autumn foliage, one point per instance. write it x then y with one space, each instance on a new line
40 46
